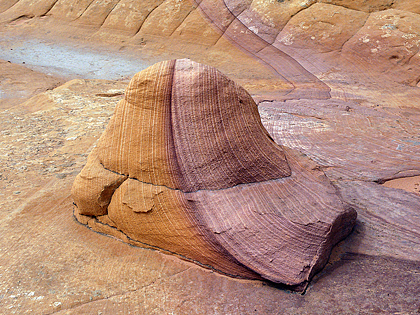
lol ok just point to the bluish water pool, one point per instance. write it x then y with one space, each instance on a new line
73 62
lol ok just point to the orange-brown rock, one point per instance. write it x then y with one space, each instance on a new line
185 165
362 133
19 83
322 27
366 5
389 43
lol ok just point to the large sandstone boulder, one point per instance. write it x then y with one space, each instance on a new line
186 166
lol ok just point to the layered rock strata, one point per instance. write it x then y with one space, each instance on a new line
186 166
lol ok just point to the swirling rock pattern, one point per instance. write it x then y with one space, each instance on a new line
186 166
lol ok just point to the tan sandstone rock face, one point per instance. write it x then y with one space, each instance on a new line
389 42
186 166
322 27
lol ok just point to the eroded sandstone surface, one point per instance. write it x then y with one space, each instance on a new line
352 109
186 152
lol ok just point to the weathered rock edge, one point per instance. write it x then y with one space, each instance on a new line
186 166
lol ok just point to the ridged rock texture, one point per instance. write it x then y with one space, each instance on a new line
186 166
